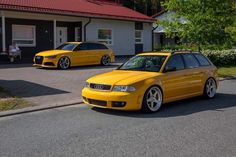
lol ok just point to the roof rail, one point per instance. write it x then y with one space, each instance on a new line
175 51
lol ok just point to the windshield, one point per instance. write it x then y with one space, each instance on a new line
67 47
144 63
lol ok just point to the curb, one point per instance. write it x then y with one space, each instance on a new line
38 108
227 78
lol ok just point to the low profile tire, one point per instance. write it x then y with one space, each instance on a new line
106 60
64 63
153 99
210 88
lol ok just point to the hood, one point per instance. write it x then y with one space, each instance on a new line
122 77
52 52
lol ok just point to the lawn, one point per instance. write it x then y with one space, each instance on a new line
227 71
10 102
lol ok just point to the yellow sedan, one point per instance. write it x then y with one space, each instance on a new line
149 80
75 54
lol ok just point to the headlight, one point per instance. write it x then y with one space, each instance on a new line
124 88
51 57
86 85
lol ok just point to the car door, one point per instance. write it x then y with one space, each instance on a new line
84 54
175 83
193 73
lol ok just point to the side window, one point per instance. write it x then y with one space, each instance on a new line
176 61
83 46
190 61
102 47
202 60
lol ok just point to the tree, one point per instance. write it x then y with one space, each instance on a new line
208 22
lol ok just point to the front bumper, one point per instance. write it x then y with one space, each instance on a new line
111 99
46 63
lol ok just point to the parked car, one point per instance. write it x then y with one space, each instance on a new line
75 54
149 80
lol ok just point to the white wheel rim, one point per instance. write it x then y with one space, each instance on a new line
211 88
64 63
105 60
154 99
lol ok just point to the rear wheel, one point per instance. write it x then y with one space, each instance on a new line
152 100
106 60
64 63
210 88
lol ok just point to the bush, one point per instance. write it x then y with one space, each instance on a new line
221 57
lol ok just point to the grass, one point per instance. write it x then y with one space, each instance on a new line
10 102
227 71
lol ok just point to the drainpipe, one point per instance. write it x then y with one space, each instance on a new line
153 29
85 28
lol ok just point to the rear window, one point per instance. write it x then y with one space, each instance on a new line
202 60
190 61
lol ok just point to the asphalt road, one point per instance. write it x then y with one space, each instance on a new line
194 127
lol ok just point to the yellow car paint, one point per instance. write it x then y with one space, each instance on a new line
77 58
175 85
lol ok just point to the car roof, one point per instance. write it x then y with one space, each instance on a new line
84 42
164 53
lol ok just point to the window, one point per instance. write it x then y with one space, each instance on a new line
138 36
24 35
190 61
105 36
176 61
202 60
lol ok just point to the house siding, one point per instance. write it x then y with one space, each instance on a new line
123 34
44 35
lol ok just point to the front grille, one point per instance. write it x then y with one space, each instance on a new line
97 102
100 86
38 59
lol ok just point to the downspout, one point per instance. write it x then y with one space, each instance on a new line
85 28
154 28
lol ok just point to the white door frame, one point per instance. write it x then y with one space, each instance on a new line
63 36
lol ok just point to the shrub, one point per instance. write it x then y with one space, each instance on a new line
221 57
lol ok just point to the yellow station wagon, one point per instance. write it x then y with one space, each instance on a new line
149 80
75 54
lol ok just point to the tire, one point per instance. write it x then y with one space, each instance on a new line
153 99
106 60
64 63
210 88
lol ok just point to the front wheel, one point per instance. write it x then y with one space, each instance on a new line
152 100
106 60
64 63
210 88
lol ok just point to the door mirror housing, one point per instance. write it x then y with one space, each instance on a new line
170 68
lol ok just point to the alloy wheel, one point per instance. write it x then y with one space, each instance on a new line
211 88
64 63
106 60
154 99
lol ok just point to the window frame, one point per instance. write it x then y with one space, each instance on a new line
200 65
135 38
181 56
106 40
33 39
185 65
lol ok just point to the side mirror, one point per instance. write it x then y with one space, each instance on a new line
170 68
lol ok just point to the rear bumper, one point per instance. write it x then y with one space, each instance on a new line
110 99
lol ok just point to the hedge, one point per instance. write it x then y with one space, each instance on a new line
221 57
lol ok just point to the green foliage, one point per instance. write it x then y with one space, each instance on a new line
221 58
207 22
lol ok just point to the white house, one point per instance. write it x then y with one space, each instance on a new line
159 37
38 25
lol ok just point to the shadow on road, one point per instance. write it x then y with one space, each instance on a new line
15 65
27 89
181 108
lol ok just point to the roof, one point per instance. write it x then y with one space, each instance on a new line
156 53
82 8
159 13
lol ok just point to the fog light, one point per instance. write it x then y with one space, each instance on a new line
118 104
